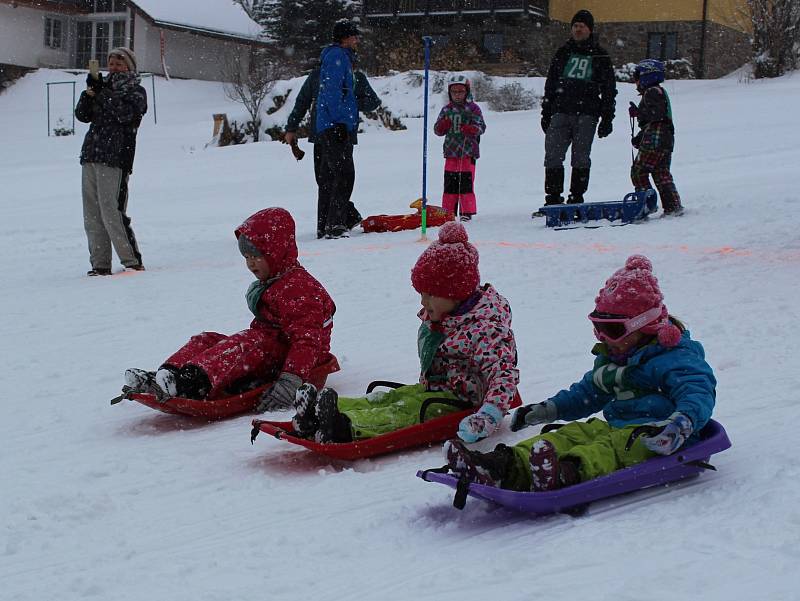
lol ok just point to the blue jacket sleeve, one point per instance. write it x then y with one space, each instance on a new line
580 400
689 382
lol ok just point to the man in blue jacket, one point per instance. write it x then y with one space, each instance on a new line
306 100
334 125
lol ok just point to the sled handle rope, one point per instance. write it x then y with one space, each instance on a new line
462 487
457 403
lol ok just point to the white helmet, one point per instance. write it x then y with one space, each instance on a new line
458 79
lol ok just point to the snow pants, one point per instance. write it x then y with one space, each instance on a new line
248 354
105 200
598 447
459 186
565 131
382 413
656 163
335 173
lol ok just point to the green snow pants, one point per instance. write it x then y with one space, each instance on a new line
599 448
393 410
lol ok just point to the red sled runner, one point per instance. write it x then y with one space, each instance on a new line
436 216
223 407
427 432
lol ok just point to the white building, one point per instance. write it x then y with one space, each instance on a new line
192 38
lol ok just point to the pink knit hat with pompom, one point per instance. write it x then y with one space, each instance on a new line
633 290
448 267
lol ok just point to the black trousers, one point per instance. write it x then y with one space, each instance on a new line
335 174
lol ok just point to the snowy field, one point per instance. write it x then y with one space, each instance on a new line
121 503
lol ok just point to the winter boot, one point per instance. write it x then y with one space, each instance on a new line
304 422
337 231
482 468
98 271
670 200
466 216
553 186
333 426
141 381
189 382
579 183
547 471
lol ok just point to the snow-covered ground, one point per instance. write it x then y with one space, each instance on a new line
122 503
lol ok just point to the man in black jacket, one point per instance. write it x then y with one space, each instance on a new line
580 90
114 106
333 161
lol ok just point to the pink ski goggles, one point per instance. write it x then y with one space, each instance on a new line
613 328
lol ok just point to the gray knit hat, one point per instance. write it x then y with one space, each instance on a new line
247 248
126 54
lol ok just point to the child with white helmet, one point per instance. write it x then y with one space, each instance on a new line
461 123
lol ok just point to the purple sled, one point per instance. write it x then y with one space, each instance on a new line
686 463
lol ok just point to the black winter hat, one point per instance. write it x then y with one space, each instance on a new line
585 17
344 29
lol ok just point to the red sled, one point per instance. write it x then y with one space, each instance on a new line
224 407
436 216
428 432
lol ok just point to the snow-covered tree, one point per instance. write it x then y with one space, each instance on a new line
776 36
301 28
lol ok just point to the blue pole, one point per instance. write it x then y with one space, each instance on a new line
426 40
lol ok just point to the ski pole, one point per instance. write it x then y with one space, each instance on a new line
426 41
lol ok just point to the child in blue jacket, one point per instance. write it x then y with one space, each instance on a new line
647 370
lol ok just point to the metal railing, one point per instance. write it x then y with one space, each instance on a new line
403 8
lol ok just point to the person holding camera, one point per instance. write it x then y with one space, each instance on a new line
113 106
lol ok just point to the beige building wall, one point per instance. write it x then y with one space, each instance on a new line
731 13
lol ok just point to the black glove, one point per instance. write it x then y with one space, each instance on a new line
605 128
633 110
95 85
545 122
532 415
340 133
636 140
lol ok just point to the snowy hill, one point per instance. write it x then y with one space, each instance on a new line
121 503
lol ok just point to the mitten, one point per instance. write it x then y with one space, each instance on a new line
633 111
280 396
545 122
95 85
468 129
531 415
674 432
442 126
605 128
480 424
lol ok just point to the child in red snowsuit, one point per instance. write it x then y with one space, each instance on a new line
289 336
461 123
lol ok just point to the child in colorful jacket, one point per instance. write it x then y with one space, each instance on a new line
656 138
289 336
647 370
461 123
466 349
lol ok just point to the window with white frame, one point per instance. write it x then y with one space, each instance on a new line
53 33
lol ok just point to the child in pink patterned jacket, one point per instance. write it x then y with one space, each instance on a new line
467 354
461 123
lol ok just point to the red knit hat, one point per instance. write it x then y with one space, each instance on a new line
633 290
448 267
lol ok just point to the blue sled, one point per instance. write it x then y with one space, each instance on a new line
636 206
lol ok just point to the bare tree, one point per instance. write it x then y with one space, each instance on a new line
249 81
776 36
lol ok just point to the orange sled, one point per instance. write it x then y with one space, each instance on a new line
436 216
223 407
427 432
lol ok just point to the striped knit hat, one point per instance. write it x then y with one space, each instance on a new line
127 55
